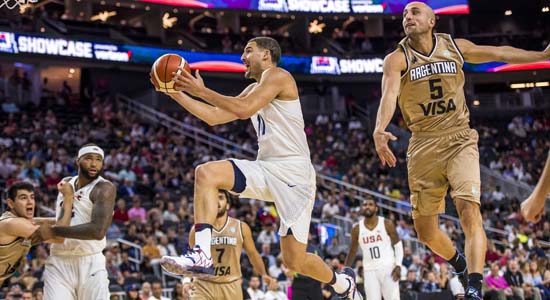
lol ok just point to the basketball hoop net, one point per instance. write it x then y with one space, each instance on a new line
11 4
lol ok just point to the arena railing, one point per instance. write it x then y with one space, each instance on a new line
512 188
237 150
138 252
187 130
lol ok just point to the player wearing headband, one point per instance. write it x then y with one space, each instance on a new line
76 268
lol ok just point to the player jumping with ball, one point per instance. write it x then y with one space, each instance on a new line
282 173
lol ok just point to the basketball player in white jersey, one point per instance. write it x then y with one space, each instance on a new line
282 173
382 253
18 227
76 269
229 237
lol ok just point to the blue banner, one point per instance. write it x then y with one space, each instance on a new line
214 62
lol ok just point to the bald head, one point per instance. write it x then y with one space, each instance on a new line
418 18
422 6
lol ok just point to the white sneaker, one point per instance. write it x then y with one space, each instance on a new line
352 293
194 262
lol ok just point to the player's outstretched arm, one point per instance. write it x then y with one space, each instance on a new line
397 248
533 207
479 54
18 227
394 63
255 257
352 253
212 115
270 85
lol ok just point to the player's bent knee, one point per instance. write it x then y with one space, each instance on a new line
204 174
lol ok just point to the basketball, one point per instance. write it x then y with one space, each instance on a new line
162 69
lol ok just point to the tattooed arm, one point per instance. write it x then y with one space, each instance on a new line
103 196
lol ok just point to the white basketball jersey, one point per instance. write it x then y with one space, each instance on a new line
81 213
280 129
376 246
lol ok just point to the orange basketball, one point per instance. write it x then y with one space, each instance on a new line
162 69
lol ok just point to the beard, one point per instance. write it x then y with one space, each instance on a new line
369 214
221 212
86 173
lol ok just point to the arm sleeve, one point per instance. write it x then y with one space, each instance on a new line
398 250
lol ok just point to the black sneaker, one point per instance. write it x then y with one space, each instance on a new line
473 294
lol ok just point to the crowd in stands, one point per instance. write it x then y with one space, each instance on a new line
154 168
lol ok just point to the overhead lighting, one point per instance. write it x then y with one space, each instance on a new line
103 16
117 4
546 9
23 8
180 42
71 70
175 10
476 102
529 85
42 29
147 8
132 6
316 27
508 12
168 22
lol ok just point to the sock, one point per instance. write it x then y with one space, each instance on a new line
203 237
475 280
458 262
339 283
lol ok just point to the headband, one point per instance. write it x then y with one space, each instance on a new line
90 149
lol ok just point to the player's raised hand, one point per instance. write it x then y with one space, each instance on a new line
188 83
155 84
396 273
532 209
66 189
381 139
271 282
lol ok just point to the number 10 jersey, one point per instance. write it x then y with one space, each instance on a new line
376 246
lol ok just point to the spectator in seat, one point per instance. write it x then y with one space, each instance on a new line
497 287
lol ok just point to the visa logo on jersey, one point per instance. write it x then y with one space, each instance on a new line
324 65
372 239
